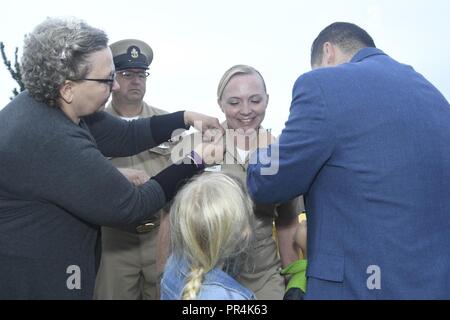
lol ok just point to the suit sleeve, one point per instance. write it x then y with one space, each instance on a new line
288 168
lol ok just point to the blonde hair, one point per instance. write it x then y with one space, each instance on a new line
233 71
211 220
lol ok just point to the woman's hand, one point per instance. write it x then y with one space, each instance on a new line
136 177
209 126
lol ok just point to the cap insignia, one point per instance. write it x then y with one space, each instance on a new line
134 53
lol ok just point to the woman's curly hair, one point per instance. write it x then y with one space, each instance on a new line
58 50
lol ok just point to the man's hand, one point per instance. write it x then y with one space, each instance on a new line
136 177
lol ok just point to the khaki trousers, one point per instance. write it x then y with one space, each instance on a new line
128 266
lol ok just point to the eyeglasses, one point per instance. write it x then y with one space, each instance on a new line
129 75
109 81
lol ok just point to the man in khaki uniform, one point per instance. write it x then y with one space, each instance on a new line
128 267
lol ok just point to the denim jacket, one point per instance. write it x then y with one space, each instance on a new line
216 285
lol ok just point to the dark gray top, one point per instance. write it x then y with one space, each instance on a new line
57 187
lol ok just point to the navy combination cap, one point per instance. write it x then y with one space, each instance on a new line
131 54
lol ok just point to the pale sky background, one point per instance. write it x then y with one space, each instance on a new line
195 41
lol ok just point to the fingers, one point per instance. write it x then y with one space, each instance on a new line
136 177
213 135
143 178
203 122
218 126
211 153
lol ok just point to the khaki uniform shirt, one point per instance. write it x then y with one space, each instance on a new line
151 161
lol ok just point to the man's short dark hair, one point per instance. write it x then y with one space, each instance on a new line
347 36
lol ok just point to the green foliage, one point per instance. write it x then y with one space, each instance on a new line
14 70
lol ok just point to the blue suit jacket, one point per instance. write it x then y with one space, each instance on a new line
368 143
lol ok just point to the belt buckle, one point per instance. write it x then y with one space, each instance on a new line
146 227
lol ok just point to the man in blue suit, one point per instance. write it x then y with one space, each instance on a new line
368 144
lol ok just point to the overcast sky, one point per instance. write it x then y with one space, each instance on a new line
195 41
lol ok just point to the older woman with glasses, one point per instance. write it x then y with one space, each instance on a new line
56 186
